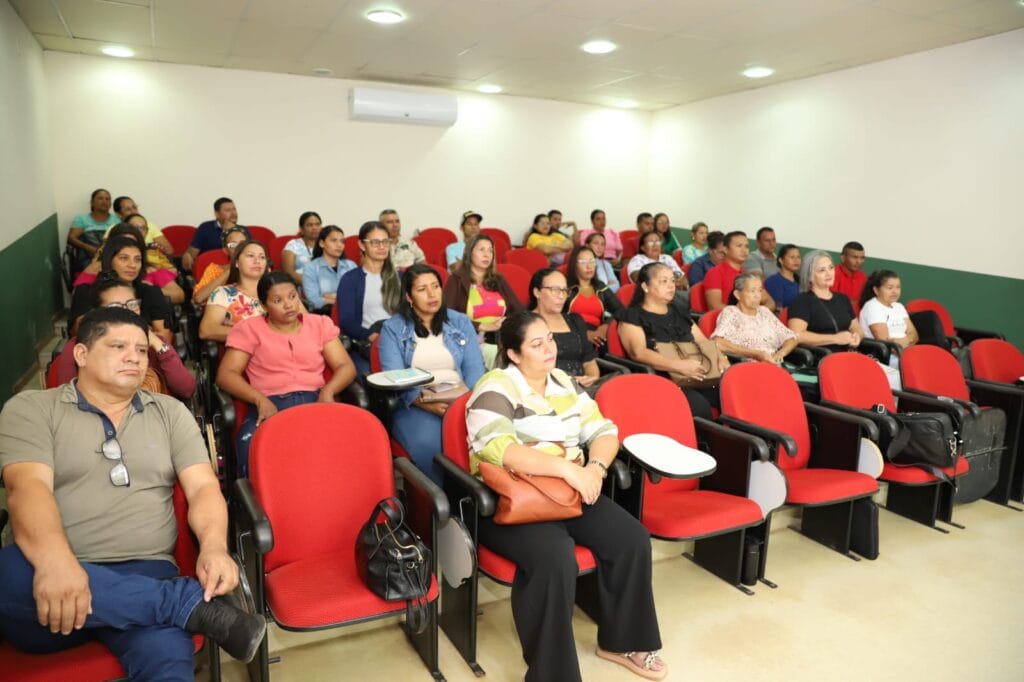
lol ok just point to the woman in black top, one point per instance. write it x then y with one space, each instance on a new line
576 356
818 315
654 316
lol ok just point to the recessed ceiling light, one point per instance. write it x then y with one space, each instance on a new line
384 16
118 51
489 89
599 47
323 71
758 72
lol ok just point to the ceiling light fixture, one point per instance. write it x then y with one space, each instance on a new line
599 47
758 72
118 51
489 89
385 16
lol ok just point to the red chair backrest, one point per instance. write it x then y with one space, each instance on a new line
204 259
518 280
630 244
185 552
698 303
261 234
530 260
624 275
854 380
317 503
352 251
921 304
502 242
933 370
625 293
276 247
375 365
442 235
626 400
442 272
762 393
996 360
454 434
180 237
614 342
708 321
784 316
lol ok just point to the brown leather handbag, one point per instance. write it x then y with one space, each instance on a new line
705 352
523 498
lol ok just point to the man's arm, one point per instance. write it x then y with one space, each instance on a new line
208 518
60 585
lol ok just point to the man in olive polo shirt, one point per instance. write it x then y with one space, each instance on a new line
89 469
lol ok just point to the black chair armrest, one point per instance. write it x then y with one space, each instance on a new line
865 423
706 427
611 366
801 357
632 365
254 517
817 352
932 403
355 394
227 407
422 482
620 472
733 451
770 435
887 425
879 350
967 334
979 386
485 498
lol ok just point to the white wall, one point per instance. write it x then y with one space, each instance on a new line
177 137
26 190
920 158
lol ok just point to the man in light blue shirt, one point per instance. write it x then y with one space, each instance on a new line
454 252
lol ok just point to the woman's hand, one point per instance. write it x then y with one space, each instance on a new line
778 357
325 395
438 408
330 298
155 342
492 326
723 362
846 339
690 369
585 381
587 480
265 409
598 336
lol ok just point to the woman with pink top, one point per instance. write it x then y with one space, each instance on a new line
613 244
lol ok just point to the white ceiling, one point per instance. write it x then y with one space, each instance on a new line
670 51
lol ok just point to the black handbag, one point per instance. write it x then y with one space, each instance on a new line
925 439
393 562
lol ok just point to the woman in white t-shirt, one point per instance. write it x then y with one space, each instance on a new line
882 316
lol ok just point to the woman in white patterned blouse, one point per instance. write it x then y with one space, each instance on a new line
750 330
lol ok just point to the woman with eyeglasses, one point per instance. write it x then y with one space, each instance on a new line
155 270
426 335
237 300
122 260
321 276
216 275
651 252
589 297
479 290
662 225
576 356
278 359
368 295
166 373
818 315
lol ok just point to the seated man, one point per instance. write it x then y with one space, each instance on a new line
404 252
568 228
718 283
703 264
762 261
89 468
454 252
209 235
850 278
644 223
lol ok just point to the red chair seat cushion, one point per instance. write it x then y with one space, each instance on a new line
504 571
698 513
821 486
90 662
325 590
917 475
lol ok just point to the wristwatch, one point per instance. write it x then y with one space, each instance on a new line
163 350
599 463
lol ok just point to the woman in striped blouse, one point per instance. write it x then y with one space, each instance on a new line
531 417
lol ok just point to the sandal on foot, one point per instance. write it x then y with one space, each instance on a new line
626 661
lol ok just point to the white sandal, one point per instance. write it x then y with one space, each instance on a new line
626 661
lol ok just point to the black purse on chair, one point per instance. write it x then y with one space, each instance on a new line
393 562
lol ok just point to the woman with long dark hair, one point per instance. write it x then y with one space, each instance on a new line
784 285
590 297
298 252
321 276
238 299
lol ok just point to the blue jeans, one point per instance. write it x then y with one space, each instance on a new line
248 428
419 432
139 611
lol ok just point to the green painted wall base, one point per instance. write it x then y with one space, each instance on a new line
30 295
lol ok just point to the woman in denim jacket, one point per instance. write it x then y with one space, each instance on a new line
426 335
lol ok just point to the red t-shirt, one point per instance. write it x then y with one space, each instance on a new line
590 308
722 277
849 284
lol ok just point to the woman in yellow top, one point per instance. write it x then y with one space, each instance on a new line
531 417
551 243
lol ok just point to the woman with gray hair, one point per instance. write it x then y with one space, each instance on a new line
820 316
750 330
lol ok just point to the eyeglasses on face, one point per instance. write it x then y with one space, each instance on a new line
376 242
134 305
557 291
586 261
111 449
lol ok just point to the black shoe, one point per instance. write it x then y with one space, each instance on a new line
237 632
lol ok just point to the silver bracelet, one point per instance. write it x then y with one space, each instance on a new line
600 464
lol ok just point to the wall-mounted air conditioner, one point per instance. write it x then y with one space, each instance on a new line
403 106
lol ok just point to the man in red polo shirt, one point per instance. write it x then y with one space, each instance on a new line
719 280
850 278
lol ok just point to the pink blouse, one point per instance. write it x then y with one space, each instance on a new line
283 363
762 331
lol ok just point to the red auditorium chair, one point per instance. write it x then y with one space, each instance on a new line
93 662
817 448
1000 362
935 373
352 251
276 247
530 260
630 244
433 250
518 280
459 604
708 321
624 276
854 383
298 524
625 293
958 336
698 303
180 237
502 242
714 511
261 234
438 234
